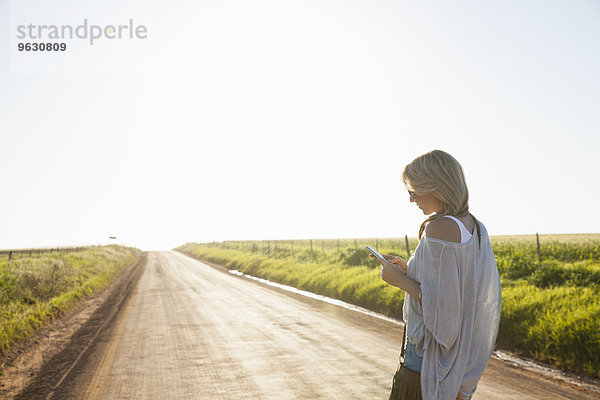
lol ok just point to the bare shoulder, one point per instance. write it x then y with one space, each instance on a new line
443 229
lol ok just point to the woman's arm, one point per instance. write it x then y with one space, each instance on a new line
394 275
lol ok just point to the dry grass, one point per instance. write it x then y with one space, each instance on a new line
33 290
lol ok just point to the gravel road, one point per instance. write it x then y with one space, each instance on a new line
181 329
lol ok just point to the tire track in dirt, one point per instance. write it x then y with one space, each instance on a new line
64 367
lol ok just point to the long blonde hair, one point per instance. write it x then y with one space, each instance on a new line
439 174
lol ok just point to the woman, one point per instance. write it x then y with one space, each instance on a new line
452 305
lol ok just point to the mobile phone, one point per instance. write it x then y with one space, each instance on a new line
377 254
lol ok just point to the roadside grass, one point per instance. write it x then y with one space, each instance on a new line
558 325
34 290
550 309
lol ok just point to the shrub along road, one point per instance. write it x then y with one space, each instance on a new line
178 328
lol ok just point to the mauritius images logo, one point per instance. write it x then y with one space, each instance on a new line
33 33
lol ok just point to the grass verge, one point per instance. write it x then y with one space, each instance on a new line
35 290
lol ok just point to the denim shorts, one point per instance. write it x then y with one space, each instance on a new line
411 360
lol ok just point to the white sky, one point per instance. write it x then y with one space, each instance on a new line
294 119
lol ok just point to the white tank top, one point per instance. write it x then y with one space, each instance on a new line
465 235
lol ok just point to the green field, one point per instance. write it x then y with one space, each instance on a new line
34 290
550 309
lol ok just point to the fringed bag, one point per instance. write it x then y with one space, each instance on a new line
407 383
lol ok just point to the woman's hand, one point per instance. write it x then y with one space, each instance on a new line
399 261
393 274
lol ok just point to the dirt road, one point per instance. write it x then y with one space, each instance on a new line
180 329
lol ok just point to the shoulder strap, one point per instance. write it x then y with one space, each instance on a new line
464 232
402 349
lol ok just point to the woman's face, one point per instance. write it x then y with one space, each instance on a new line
428 203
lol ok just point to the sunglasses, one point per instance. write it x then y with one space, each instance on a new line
413 195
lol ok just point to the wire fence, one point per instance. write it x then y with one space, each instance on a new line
20 253
567 247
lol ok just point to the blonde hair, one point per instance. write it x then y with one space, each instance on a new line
439 174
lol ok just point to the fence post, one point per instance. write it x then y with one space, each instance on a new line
9 255
338 243
537 236
407 248
311 248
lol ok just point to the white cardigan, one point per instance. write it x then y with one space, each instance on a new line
455 329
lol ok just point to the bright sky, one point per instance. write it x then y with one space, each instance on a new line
294 119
